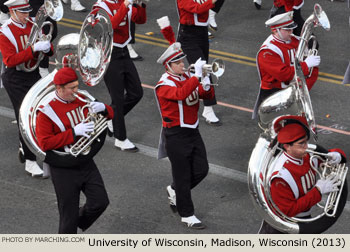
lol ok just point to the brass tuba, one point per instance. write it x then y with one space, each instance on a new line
52 9
293 100
89 54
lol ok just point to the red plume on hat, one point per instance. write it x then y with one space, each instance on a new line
174 52
166 29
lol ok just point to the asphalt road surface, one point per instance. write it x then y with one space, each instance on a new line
136 182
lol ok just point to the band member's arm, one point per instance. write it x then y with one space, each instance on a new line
271 63
139 14
178 93
51 52
341 152
206 94
118 17
9 54
108 113
310 81
49 135
194 7
321 149
284 198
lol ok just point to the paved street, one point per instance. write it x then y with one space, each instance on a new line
136 182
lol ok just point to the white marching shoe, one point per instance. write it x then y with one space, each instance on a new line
125 145
193 222
257 4
33 168
210 117
76 6
212 22
172 198
43 72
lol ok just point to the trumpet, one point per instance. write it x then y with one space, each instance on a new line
52 9
326 169
83 145
216 68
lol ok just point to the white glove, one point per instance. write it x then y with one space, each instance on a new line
83 128
328 185
198 67
206 83
97 107
334 157
42 46
313 61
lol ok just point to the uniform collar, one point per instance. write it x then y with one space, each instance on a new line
60 99
176 76
18 24
293 160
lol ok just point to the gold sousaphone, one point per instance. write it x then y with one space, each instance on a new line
89 54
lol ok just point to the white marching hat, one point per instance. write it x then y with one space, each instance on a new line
172 54
174 51
284 21
20 5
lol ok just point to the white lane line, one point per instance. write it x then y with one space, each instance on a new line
152 152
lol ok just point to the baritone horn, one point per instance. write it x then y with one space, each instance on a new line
326 170
52 9
83 145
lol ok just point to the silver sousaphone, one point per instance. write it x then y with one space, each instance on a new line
89 54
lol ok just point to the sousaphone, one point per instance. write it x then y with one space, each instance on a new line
89 54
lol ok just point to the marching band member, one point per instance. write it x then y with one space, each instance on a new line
59 125
13 37
294 188
178 94
121 75
193 36
275 59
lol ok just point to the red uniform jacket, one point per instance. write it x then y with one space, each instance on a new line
275 61
289 5
121 17
292 186
193 13
55 123
13 39
178 99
